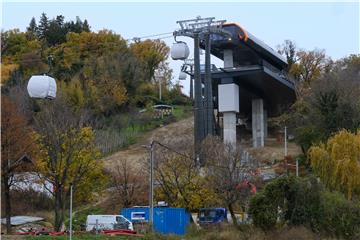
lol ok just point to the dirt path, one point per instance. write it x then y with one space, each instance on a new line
170 135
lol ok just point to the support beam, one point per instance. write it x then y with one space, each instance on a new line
209 105
191 84
258 123
198 104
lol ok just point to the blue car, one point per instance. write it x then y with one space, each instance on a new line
209 216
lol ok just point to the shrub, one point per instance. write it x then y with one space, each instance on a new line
303 201
339 217
263 211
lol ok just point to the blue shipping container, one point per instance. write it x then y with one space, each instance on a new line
166 220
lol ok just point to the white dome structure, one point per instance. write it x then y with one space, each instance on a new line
180 51
42 86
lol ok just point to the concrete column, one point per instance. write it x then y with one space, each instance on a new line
258 122
229 125
265 125
228 58
229 102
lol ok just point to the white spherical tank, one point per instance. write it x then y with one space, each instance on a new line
180 51
182 76
42 86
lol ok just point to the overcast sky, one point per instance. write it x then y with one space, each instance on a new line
333 26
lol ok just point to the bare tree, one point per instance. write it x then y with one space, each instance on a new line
130 183
229 172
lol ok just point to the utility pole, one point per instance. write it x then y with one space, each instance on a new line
159 88
151 187
151 212
71 197
285 142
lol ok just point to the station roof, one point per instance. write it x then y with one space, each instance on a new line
259 70
247 48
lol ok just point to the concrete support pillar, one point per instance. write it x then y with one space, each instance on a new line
228 58
265 125
229 102
258 122
229 125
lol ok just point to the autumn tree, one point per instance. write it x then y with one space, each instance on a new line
18 143
71 155
330 105
180 183
229 172
337 163
304 66
20 56
151 53
309 67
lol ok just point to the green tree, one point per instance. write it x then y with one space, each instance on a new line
304 201
287 199
86 27
43 26
56 32
328 105
32 29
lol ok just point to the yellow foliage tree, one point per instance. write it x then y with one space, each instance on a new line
72 159
151 53
6 70
181 185
338 162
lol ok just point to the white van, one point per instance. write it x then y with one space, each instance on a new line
107 222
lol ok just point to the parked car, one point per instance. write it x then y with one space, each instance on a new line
107 222
209 216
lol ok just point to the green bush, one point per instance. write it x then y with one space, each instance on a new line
339 216
263 211
303 201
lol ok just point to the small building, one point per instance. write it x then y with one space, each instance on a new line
167 220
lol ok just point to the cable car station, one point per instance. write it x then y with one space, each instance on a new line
252 84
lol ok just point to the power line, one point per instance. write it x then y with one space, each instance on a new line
150 36
173 150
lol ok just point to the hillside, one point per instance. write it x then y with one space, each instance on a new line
172 135
179 135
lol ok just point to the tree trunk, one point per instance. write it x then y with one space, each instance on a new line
59 212
231 210
5 179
